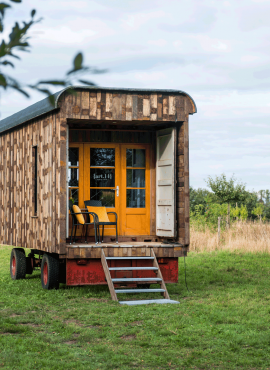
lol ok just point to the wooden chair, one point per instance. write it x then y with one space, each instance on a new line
78 220
95 207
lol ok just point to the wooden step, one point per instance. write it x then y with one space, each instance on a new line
148 301
135 279
158 279
131 268
129 258
118 291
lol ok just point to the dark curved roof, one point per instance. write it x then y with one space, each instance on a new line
44 106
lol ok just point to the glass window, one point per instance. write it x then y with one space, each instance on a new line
106 196
73 176
135 198
73 157
102 177
102 157
135 178
135 157
74 193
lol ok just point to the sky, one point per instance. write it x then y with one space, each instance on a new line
216 51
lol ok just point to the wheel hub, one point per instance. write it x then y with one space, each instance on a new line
13 266
45 273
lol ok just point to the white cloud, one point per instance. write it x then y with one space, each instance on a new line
217 51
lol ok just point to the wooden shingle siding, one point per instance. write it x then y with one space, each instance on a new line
100 105
18 225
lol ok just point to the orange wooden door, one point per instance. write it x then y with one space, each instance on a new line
119 176
102 177
135 189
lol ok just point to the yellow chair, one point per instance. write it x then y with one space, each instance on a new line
78 219
102 219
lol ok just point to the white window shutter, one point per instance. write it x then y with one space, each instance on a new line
165 183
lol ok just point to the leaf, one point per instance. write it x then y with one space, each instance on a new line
78 61
44 91
20 90
33 12
3 81
87 83
16 1
3 7
77 64
52 82
6 62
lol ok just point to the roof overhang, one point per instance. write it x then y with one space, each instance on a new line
44 106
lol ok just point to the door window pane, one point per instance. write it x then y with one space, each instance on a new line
135 178
73 157
135 198
74 193
102 177
107 197
135 157
102 157
73 177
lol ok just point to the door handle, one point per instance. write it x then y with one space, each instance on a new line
117 191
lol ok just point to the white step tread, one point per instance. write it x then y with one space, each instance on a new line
148 301
131 268
118 291
129 258
136 279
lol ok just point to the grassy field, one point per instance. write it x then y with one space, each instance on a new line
223 323
244 236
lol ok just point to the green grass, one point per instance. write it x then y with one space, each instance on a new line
223 323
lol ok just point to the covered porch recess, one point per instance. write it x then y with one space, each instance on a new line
128 150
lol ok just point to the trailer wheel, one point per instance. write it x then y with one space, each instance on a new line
49 272
17 264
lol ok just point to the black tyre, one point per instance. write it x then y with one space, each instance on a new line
49 272
17 264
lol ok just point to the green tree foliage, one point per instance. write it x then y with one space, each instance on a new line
18 41
227 191
258 211
206 207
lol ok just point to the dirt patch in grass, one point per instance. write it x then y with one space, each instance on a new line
135 323
128 337
70 342
9 333
73 321
33 325
96 299
15 315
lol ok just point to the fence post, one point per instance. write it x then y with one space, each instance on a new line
228 217
219 219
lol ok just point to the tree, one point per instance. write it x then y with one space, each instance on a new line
258 211
227 191
19 41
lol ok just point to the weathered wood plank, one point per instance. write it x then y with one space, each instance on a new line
129 104
153 107
85 105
